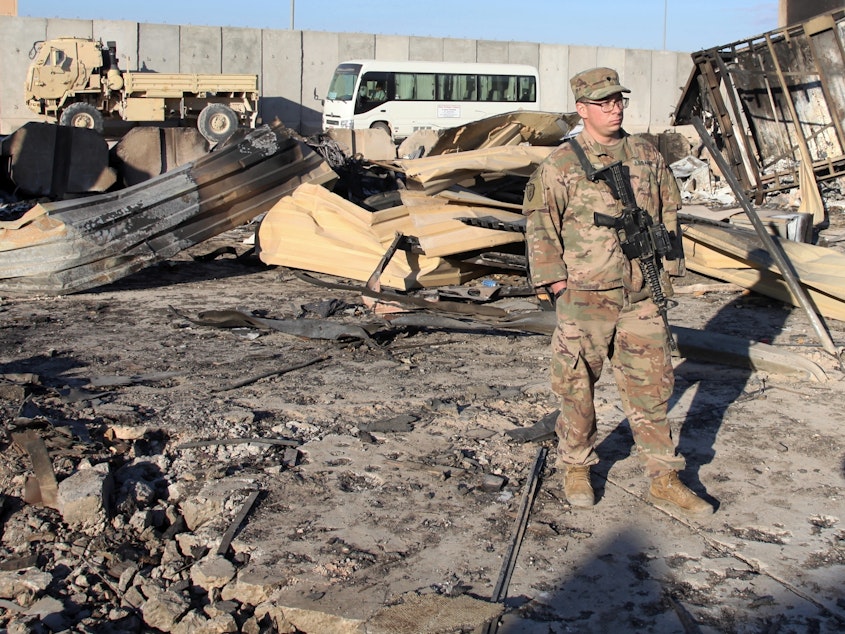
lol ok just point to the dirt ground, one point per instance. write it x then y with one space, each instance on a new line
389 499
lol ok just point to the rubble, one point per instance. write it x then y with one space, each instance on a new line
74 245
83 499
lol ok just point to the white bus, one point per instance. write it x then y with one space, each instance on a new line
402 97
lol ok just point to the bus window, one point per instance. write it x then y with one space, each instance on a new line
454 87
527 89
373 91
406 89
374 87
425 86
489 88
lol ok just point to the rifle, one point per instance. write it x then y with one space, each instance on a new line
639 237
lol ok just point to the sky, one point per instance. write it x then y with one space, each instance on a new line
675 25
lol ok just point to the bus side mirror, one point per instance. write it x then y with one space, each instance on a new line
316 96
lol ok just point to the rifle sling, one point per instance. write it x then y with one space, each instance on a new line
588 167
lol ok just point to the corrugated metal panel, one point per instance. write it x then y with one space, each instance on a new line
74 245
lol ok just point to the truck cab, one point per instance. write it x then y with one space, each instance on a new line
61 69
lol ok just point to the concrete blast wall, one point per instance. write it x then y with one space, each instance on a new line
294 65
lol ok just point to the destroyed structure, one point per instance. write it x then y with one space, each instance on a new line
425 235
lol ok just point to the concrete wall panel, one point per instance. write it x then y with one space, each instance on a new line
555 95
455 50
241 51
201 49
492 52
663 90
426 49
356 46
17 36
125 36
281 79
685 68
69 28
395 48
636 75
524 53
158 47
582 58
320 55
615 58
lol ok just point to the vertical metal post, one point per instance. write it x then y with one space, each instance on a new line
665 20
292 12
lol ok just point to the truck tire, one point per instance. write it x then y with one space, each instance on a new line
217 122
82 115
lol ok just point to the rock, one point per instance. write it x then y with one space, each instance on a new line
171 553
269 614
492 483
49 611
253 585
133 597
23 585
164 611
192 623
314 621
222 624
127 576
83 499
221 607
198 511
212 572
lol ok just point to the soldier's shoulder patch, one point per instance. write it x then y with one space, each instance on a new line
534 197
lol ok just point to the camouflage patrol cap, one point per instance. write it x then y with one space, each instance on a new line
596 83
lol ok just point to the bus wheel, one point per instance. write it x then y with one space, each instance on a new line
82 115
381 125
217 122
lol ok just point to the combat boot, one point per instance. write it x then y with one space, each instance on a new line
577 487
668 491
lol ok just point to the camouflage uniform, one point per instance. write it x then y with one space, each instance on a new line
605 311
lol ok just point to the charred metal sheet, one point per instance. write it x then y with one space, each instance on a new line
777 101
489 222
69 246
42 488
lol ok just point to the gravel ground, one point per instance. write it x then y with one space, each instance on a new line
392 479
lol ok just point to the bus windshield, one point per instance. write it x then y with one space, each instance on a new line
342 86
402 97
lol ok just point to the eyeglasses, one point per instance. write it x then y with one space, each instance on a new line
610 105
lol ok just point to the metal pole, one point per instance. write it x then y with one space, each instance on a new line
665 20
774 249
292 11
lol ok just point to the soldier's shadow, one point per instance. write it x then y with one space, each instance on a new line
749 318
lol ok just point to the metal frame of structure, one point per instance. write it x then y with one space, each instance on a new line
774 102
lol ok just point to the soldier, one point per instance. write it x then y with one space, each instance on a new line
604 309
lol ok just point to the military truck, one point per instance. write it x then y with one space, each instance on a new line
77 82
